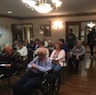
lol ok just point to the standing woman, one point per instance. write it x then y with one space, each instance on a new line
58 57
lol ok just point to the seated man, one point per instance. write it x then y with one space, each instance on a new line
10 63
34 76
76 54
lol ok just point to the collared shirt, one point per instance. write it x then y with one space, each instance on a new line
78 50
43 66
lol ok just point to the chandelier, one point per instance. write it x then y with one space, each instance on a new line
91 24
42 6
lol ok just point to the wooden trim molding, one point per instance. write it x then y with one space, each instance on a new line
53 16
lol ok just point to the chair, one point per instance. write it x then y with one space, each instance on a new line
7 73
50 84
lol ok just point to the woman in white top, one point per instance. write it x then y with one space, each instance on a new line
58 57
22 50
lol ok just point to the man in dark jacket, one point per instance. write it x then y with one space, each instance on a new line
71 39
91 39
11 62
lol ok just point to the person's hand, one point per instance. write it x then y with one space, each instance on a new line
34 68
70 54
8 65
55 61
77 57
34 65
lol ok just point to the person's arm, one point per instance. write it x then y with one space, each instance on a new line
35 53
61 55
73 49
47 52
32 62
48 66
52 54
83 51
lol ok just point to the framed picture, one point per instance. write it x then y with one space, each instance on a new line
46 30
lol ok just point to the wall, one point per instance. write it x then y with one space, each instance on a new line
36 27
56 33
5 25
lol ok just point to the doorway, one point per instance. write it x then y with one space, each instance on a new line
76 26
23 31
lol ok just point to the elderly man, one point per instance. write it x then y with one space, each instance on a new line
11 62
33 77
76 55
41 44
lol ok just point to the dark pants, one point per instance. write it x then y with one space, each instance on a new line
4 71
7 72
27 82
91 46
74 63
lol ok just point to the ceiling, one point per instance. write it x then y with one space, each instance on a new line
68 7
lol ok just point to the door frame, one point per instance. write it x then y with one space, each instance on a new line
73 23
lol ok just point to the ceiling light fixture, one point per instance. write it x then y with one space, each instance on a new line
42 6
91 24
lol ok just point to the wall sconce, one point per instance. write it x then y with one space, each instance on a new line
91 24
57 25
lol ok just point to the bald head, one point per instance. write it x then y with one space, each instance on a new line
41 51
7 46
8 49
